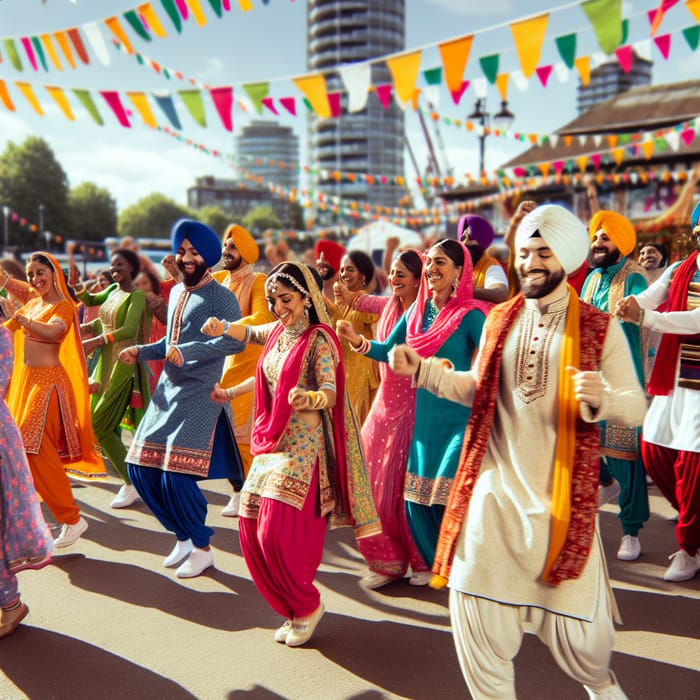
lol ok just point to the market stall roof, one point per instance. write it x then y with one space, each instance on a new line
374 236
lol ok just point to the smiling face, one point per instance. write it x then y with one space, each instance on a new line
191 263
404 283
40 277
285 302
324 269
350 276
230 256
604 252
120 269
538 268
440 271
650 258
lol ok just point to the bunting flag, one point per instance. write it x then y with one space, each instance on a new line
489 66
61 100
625 57
74 36
11 51
663 43
404 72
314 89
87 102
5 97
656 16
270 104
51 51
97 43
694 8
692 36
606 18
543 73
182 8
28 92
583 66
246 5
455 55
257 93
63 43
113 100
136 23
356 79
28 50
223 101
566 45
457 94
528 35
502 85
289 103
384 95
216 6
165 103
151 18
39 51
197 12
192 99
334 103
172 12
140 102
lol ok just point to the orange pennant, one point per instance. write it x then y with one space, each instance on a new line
619 155
544 168
61 100
647 148
62 41
529 36
502 85
583 66
582 162
532 138
5 97
612 140
455 55
116 29
28 92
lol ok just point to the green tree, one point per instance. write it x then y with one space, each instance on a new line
260 218
151 217
93 212
34 185
214 217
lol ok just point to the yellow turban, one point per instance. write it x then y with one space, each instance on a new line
244 242
618 229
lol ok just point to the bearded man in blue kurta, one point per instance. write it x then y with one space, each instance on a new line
184 436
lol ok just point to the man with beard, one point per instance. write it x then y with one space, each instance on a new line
519 546
184 436
239 253
671 444
621 469
490 281
328 257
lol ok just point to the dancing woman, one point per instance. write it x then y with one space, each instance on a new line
307 471
48 395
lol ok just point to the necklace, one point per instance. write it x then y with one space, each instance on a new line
291 334
431 312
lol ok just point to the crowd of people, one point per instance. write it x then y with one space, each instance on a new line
327 397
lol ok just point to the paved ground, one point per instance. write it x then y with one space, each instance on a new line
108 621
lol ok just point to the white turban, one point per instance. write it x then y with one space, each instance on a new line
561 230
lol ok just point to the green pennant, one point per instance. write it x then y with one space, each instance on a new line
433 76
40 52
192 99
257 93
11 51
570 165
692 36
139 58
624 138
566 45
606 18
307 104
625 31
86 100
136 24
166 73
216 6
169 7
489 64
660 145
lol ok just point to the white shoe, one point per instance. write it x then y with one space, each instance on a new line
231 509
198 561
420 578
683 566
610 692
282 632
127 496
181 550
374 580
70 534
304 627
630 548
607 494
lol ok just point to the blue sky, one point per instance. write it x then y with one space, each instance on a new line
268 43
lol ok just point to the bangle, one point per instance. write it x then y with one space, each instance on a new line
362 347
316 400
248 333
231 392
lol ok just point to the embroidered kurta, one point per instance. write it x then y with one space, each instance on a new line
177 432
502 546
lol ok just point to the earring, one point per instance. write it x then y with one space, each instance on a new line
455 284
307 303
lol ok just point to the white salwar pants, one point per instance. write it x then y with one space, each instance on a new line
488 635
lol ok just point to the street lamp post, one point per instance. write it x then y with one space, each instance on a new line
502 120
6 214
41 219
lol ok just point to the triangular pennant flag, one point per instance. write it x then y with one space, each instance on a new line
29 51
595 159
558 166
136 24
481 87
74 36
308 106
566 45
647 148
673 138
28 92
561 71
192 99
112 98
61 100
583 66
165 103
149 15
216 6
431 94
384 95
112 23
619 155
314 88
692 36
528 35
97 43
433 76
694 8
171 9
688 135
87 102
197 12
334 103
643 49
140 101
246 5
455 55
182 7
663 43
39 51
404 72
457 94
11 51
5 97
357 79
223 101
521 82
62 41
489 66
502 85
582 161
416 95
543 73
625 57
597 140
544 169
582 139
612 140
656 16
51 51
606 18
625 31
289 103
269 103
553 140
257 92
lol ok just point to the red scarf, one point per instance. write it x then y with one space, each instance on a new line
663 375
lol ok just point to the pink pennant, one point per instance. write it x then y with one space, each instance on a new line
226 5
30 52
384 95
223 101
519 172
543 73
290 104
457 94
663 43
112 99
270 104
688 135
334 103
558 166
625 57
182 6
595 159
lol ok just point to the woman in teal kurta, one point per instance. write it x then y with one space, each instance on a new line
120 391
445 321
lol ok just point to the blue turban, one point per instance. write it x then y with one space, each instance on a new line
200 236
695 215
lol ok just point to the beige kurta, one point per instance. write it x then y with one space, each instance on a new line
503 544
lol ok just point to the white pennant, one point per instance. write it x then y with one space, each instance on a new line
582 139
597 139
481 87
357 79
562 71
673 139
553 140
643 49
92 32
696 126
432 94
598 58
521 82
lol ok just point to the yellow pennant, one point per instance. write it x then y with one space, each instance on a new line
455 55
61 100
647 149
245 5
28 92
612 140
314 89
529 36
583 66
694 8
139 100
148 13
582 162
49 48
404 72
619 155
197 12
62 41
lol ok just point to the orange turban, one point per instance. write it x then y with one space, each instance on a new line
244 242
618 229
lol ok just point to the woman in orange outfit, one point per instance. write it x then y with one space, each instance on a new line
50 405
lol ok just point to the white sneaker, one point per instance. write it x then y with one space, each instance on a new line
420 578
304 627
374 580
127 496
198 561
70 534
231 509
610 692
282 632
607 494
683 566
630 548
181 550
